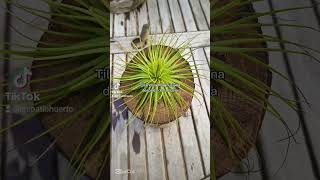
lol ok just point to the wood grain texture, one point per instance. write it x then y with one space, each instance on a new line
155 23
137 149
165 16
201 122
188 15
205 4
176 15
155 154
199 16
142 17
191 149
132 25
119 25
203 70
175 162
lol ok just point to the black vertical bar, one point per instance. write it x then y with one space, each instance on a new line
4 121
300 113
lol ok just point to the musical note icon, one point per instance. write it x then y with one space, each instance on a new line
22 79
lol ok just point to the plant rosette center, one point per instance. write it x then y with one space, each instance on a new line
157 85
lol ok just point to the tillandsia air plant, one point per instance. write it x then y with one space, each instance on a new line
64 68
239 51
157 85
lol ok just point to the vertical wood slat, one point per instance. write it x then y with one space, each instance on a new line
206 8
189 141
174 154
119 131
202 123
199 14
154 17
165 15
176 15
301 68
298 165
136 133
119 25
188 16
202 68
137 149
155 154
119 140
132 24
142 17
190 147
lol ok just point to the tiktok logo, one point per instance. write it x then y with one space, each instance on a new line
116 86
22 79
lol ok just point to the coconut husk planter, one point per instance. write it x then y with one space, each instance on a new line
245 112
163 115
67 139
